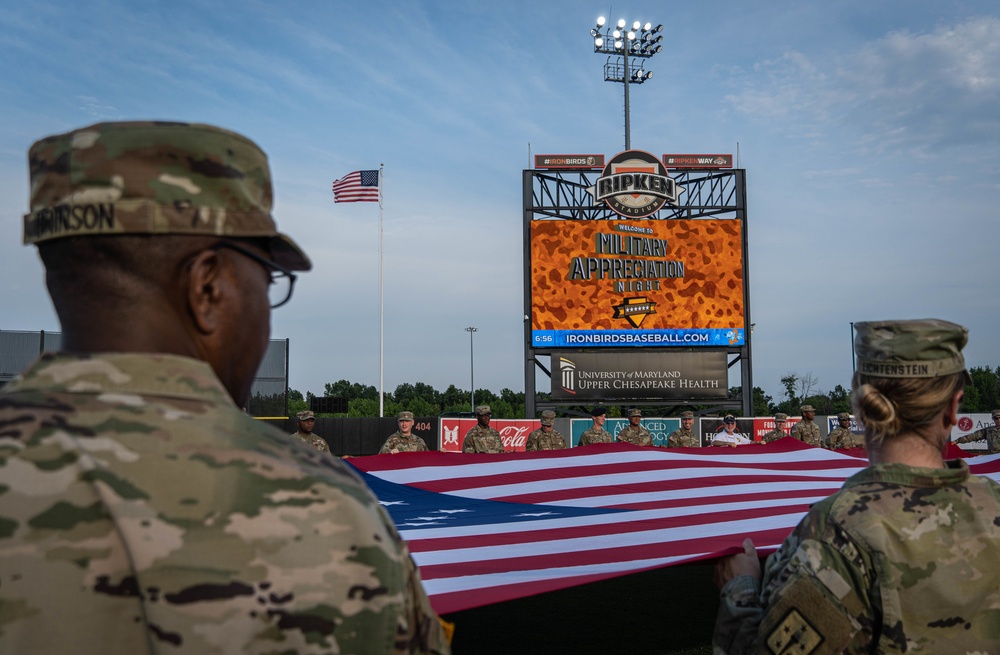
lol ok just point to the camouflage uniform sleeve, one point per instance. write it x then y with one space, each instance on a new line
532 443
978 435
814 597
469 444
423 632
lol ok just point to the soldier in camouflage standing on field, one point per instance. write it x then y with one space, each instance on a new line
546 438
403 440
991 434
141 511
841 437
684 437
596 433
634 433
779 431
903 558
305 432
806 430
482 438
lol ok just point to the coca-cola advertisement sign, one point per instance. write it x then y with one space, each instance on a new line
513 432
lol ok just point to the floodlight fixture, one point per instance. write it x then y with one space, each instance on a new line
621 45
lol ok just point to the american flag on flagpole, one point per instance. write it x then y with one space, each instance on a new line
486 528
359 186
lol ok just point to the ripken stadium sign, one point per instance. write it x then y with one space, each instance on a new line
635 184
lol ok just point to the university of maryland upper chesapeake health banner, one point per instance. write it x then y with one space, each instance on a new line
489 528
640 283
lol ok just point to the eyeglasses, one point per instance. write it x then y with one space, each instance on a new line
279 291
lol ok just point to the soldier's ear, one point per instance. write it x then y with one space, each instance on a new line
951 411
204 294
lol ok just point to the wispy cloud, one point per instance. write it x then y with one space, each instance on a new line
920 93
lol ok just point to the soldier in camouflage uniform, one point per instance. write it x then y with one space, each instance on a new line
545 438
903 558
596 433
634 433
779 431
991 434
141 511
806 430
684 437
305 433
403 440
841 437
482 438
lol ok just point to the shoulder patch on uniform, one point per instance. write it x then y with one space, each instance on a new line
794 634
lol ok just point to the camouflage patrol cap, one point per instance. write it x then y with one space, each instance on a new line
635 411
548 417
305 415
404 416
483 409
843 416
995 413
154 178
781 417
687 414
923 348
808 408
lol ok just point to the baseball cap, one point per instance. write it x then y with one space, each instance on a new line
154 177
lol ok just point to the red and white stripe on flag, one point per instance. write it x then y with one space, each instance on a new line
488 528
359 186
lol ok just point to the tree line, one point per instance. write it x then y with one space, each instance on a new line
983 395
420 398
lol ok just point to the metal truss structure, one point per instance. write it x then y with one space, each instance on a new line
564 195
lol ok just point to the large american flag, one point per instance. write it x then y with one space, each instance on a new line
359 186
489 528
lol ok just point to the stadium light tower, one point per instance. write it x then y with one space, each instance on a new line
622 46
472 366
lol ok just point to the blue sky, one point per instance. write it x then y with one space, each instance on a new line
870 133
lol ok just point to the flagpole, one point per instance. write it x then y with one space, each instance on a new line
381 299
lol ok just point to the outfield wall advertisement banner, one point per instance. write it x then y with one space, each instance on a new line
513 432
635 376
637 283
659 428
